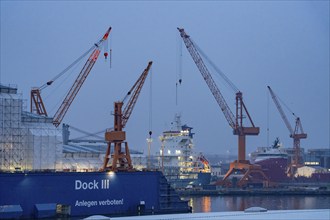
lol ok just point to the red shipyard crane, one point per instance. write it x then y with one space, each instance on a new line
296 134
234 121
121 161
37 104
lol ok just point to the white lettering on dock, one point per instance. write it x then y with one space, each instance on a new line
105 184
86 203
86 185
81 185
112 202
108 202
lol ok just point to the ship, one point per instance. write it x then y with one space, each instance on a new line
181 164
35 184
273 161
32 195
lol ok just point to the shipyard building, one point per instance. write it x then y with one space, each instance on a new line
27 141
31 142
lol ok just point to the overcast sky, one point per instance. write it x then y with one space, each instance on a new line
284 44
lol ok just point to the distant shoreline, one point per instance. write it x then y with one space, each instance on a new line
253 192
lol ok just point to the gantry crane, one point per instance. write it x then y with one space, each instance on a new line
296 134
121 161
235 122
37 105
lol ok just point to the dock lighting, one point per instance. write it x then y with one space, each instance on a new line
111 174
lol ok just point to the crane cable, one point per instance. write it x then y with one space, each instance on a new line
149 140
228 81
150 104
59 86
87 134
268 95
285 105
180 61
178 80
96 45
110 58
66 69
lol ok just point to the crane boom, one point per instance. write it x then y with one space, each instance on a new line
116 136
59 115
208 78
235 122
279 108
136 89
294 134
36 104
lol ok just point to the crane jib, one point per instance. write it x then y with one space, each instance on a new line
37 105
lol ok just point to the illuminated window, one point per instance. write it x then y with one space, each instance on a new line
312 163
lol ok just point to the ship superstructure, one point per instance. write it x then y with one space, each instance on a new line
178 160
273 161
264 153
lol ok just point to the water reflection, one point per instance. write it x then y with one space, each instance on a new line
206 203
239 203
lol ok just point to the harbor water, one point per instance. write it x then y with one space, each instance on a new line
240 203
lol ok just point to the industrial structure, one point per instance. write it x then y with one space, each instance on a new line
234 121
296 135
116 136
26 139
34 184
37 105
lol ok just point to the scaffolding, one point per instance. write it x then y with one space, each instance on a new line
27 141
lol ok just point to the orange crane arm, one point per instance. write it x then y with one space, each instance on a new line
294 133
136 89
36 104
208 78
59 115
298 126
279 108
116 136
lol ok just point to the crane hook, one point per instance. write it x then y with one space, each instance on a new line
105 55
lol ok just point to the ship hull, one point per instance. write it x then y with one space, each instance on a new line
274 168
81 194
190 179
